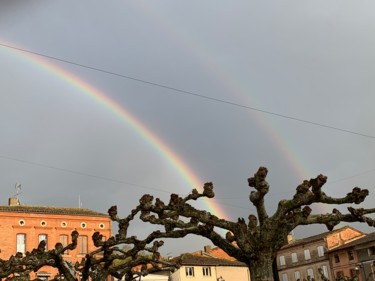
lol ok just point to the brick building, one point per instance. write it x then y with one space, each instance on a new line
356 258
302 258
22 227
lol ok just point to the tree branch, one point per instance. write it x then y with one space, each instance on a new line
257 197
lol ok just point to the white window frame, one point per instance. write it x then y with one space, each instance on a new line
285 277
21 243
44 237
83 246
282 260
310 272
297 275
206 271
307 254
325 270
320 251
294 257
189 271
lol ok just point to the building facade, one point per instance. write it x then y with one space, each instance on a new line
355 259
23 227
200 268
304 259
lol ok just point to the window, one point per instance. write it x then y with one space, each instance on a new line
307 254
310 272
325 270
44 237
21 243
350 255
285 277
294 257
206 271
339 274
337 258
189 271
82 245
320 251
371 251
282 260
297 276
43 275
64 242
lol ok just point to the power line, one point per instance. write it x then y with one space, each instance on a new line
148 187
99 177
81 173
181 91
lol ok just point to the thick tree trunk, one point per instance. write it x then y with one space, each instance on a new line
261 269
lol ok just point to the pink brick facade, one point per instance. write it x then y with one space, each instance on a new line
21 228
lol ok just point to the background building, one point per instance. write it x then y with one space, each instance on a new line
302 258
355 259
23 227
199 268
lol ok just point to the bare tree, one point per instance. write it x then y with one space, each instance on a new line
256 241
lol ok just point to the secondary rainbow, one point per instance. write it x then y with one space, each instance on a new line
99 97
191 44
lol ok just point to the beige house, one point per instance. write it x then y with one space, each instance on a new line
200 268
302 258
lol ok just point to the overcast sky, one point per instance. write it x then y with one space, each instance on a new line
284 84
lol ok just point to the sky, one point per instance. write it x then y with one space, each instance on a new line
102 103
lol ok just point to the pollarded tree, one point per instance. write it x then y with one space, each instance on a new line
256 241
111 258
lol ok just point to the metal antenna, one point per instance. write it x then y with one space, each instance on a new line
18 189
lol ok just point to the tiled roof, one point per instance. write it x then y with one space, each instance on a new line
314 238
189 259
51 210
215 253
368 238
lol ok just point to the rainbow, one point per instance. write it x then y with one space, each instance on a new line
120 112
191 44
186 41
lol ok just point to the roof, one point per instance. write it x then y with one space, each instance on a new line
214 253
189 259
314 238
51 210
368 238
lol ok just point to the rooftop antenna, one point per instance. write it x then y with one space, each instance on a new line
79 201
13 201
18 189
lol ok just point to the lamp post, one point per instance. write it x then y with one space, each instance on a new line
356 269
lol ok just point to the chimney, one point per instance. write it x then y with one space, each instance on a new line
289 238
207 249
13 201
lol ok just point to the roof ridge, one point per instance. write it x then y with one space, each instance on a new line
50 209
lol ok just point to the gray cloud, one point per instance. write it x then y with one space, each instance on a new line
312 61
